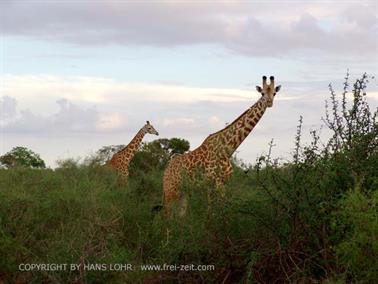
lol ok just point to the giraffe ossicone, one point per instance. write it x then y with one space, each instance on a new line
121 160
212 157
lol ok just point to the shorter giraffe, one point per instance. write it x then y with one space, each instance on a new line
212 157
121 160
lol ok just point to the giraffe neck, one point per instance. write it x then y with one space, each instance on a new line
234 134
134 144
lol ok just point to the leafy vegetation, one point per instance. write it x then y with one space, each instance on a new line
311 219
21 157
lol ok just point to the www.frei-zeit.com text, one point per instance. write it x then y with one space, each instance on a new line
113 267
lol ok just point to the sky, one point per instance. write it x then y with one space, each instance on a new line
79 75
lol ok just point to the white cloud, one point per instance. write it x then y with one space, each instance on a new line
70 118
178 122
250 28
49 103
102 90
110 121
8 106
215 121
30 87
94 104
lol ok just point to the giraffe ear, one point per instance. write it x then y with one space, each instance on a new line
259 89
278 88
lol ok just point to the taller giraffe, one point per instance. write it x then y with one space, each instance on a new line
121 160
212 157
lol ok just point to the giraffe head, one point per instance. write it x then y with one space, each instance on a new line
148 128
268 90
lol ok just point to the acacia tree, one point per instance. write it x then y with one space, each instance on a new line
170 146
157 153
21 157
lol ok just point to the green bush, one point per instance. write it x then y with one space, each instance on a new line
21 157
357 216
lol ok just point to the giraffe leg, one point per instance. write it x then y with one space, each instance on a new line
220 176
122 179
209 174
171 186
224 177
221 189
183 204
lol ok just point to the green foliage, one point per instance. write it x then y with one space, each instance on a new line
357 216
156 154
355 129
177 146
21 157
